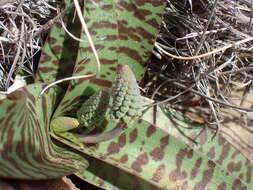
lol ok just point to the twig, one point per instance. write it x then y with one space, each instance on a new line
157 45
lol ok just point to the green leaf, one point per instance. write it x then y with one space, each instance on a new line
60 50
154 156
27 151
215 148
123 32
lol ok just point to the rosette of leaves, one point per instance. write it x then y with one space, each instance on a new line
148 155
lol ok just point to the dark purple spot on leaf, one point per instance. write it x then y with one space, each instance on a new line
51 40
225 150
57 49
114 148
195 170
151 129
222 186
124 158
159 173
108 61
133 135
237 185
177 175
207 176
101 82
139 162
232 166
157 154
211 153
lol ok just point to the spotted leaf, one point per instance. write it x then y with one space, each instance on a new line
26 149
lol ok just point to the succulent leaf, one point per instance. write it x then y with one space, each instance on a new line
26 149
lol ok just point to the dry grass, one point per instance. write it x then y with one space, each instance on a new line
21 24
202 87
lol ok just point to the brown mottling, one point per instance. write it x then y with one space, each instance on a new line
152 22
79 69
157 154
10 107
31 107
159 173
57 49
249 173
51 40
113 48
113 68
55 62
145 34
45 110
7 120
211 153
222 186
237 185
58 25
80 82
126 32
65 102
232 166
138 12
164 141
111 38
46 69
103 24
101 82
156 3
151 129
84 61
73 101
108 61
211 164
131 53
7 145
114 148
195 170
20 150
88 49
102 76
177 175
139 162
108 73
190 154
30 96
207 176
224 153
86 19
44 57
107 7
124 158
133 135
